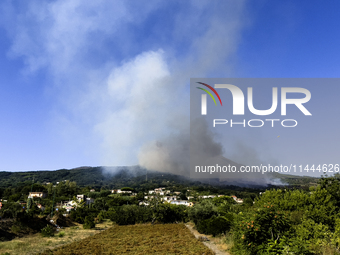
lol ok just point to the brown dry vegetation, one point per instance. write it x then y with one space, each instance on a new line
138 239
32 244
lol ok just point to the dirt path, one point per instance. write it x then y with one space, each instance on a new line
210 244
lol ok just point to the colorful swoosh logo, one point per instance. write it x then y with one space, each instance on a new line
208 92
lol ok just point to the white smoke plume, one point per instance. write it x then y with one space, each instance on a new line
119 95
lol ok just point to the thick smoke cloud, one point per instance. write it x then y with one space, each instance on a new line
120 85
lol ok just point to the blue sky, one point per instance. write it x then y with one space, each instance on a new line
95 83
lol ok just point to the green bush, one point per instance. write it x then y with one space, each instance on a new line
126 215
15 229
47 231
61 234
111 214
219 225
89 223
214 226
202 211
100 217
264 230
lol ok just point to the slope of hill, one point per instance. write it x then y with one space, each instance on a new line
91 176
133 176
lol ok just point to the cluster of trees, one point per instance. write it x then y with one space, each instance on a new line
279 221
103 179
291 221
124 210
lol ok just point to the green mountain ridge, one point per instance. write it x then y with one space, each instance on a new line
112 177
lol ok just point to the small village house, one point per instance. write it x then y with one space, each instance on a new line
37 195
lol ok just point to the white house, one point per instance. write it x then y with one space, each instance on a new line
89 200
148 197
182 202
37 194
169 198
238 200
81 197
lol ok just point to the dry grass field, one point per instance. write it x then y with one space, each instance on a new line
33 244
138 239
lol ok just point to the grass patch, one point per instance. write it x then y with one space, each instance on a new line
138 239
34 244
61 234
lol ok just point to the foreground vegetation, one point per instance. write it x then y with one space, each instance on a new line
32 244
291 222
281 220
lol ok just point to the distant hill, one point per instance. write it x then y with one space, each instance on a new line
296 180
90 176
131 176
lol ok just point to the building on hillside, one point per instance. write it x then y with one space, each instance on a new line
92 190
81 197
41 207
159 189
37 195
126 192
119 191
237 200
148 197
89 200
182 202
204 197
169 198
69 205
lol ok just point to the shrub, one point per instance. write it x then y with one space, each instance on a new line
89 223
202 211
202 226
15 229
219 225
47 231
265 229
214 226
100 217
126 215
61 234
111 214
